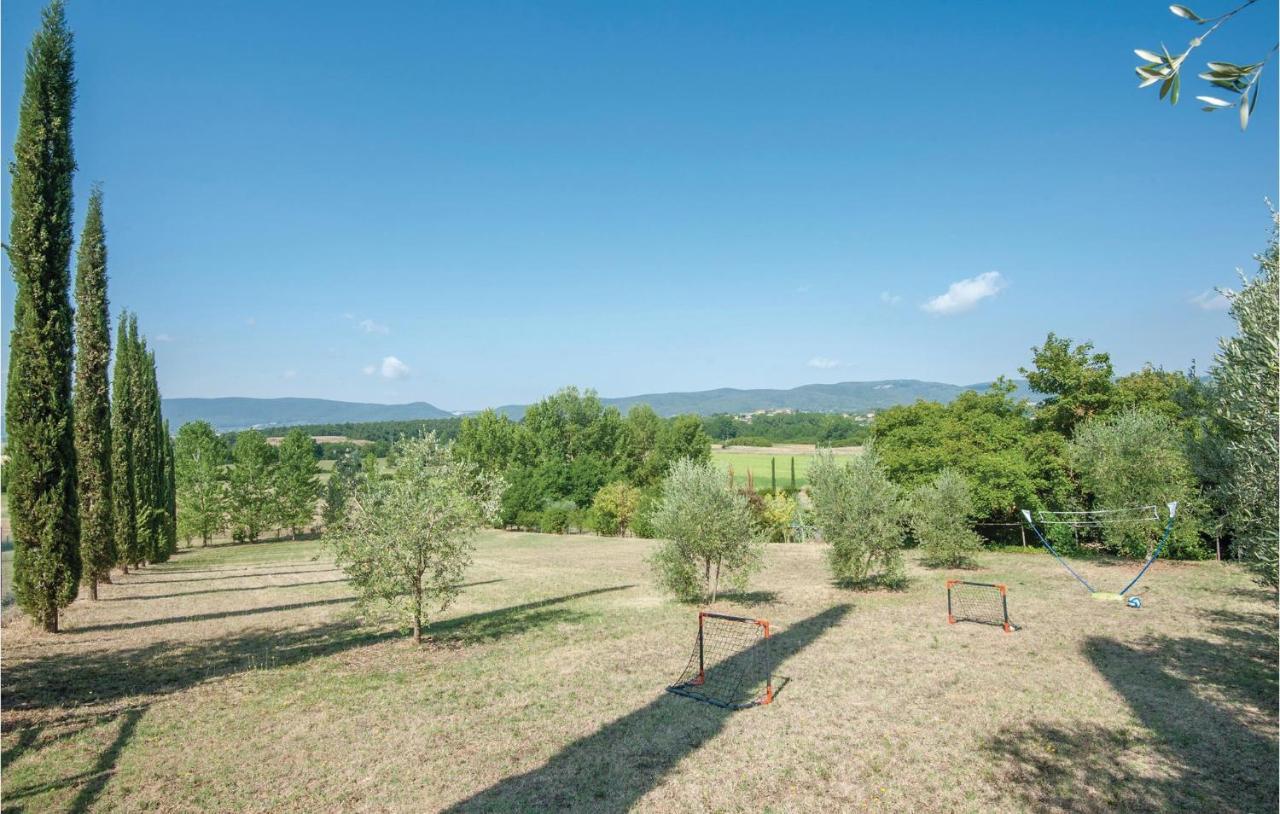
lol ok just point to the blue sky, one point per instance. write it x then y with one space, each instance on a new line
503 198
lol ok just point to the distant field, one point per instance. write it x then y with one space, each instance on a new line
242 678
756 460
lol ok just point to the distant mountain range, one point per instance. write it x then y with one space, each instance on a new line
227 414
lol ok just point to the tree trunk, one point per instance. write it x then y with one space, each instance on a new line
715 586
417 611
124 568
93 588
51 618
105 577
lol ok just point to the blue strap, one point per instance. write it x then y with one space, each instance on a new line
1045 543
1168 528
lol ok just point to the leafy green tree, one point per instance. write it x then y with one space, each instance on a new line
616 504
149 441
124 422
941 516
642 464
493 441
407 539
862 515
1227 78
199 457
988 438
334 506
297 480
93 401
681 438
1246 372
1075 380
709 533
1138 459
38 413
252 499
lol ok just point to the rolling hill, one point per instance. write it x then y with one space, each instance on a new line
227 414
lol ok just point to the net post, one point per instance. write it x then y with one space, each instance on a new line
951 619
702 669
1004 604
768 676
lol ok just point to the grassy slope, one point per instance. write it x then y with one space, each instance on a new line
240 679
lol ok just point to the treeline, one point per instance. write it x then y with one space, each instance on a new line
90 471
824 429
572 462
247 488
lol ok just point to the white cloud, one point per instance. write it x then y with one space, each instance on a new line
823 362
965 294
1211 300
373 327
289 374
393 368
164 338
890 298
369 370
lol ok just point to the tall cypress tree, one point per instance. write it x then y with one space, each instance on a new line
170 493
149 459
123 463
40 445
93 400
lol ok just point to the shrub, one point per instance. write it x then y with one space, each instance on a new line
614 507
942 515
642 524
709 533
778 511
558 516
860 513
1137 458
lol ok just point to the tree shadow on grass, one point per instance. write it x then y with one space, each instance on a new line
263 587
1206 739
611 769
129 580
750 598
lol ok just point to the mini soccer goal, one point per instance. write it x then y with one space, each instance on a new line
730 665
982 602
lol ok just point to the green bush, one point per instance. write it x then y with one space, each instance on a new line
942 520
749 441
860 513
558 516
642 524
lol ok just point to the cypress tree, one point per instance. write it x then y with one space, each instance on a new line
40 445
170 494
123 409
93 401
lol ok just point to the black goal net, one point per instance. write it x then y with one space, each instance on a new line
982 602
730 663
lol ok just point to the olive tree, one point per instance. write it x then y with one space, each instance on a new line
1246 373
941 516
709 533
406 538
1138 458
861 513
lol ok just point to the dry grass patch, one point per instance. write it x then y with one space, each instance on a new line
239 678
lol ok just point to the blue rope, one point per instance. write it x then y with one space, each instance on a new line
1063 562
1168 528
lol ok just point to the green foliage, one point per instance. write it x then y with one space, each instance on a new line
823 429
252 499
709 533
1075 381
296 481
1227 78
199 457
1246 373
40 444
124 423
334 505
941 516
93 401
777 513
861 514
615 506
988 438
406 540
1133 459
493 441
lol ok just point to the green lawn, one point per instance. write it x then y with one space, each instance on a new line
242 678
757 463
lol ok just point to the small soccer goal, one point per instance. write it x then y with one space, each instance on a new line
985 603
729 666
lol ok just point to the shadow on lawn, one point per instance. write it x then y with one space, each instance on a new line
611 769
264 587
128 579
1206 712
70 679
